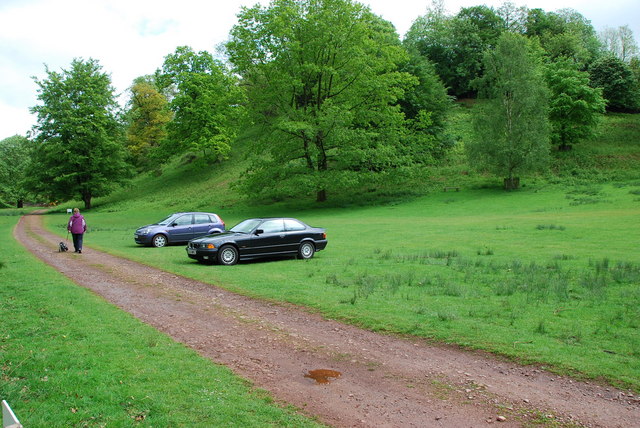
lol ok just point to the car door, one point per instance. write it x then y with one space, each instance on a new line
269 241
181 229
201 225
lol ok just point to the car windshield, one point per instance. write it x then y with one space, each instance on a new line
245 226
167 220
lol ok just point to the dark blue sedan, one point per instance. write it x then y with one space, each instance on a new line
259 237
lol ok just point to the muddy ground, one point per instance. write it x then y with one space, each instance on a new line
383 381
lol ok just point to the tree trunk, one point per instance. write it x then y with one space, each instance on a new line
322 164
511 183
86 198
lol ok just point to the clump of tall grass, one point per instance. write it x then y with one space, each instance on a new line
333 279
427 257
563 257
486 251
383 254
446 316
12 213
396 280
549 227
365 285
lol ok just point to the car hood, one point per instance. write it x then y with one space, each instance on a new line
224 236
147 225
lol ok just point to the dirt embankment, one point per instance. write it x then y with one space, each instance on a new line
376 380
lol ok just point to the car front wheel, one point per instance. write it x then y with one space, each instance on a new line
159 241
228 255
306 250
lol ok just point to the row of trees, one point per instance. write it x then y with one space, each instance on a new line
329 98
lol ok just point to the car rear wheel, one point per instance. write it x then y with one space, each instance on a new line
159 240
228 255
306 250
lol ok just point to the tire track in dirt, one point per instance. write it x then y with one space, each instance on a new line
385 381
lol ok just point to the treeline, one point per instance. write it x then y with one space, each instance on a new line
327 98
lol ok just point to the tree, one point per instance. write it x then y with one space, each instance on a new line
431 36
15 154
426 106
147 117
574 106
619 42
564 34
79 150
323 85
511 126
514 17
206 101
455 45
618 83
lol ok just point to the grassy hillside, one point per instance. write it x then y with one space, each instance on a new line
548 274
614 155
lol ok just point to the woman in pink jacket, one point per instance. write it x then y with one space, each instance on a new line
77 226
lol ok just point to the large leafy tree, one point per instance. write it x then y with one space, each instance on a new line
574 106
511 125
323 85
427 97
79 149
15 154
618 82
206 101
455 45
564 34
147 118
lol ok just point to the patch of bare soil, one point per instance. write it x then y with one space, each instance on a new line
343 375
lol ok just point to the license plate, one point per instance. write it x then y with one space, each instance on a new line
191 251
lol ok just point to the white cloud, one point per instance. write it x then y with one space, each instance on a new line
130 38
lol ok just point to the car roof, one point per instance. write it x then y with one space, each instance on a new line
192 212
272 218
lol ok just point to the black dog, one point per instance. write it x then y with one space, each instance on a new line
62 247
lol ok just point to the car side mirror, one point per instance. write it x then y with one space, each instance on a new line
174 224
259 231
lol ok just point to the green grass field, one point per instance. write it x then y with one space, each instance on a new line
549 274
544 275
67 358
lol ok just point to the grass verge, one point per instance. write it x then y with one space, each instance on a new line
68 358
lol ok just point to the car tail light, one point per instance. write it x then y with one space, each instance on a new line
324 235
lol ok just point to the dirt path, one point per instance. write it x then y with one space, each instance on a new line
385 381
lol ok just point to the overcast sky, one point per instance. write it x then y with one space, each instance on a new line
130 38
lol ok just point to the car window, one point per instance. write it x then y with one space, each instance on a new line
293 225
272 226
167 220
183 220
201 219
245 226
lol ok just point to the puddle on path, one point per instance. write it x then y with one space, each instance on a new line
323 375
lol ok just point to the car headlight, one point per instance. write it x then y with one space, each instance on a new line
143 231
